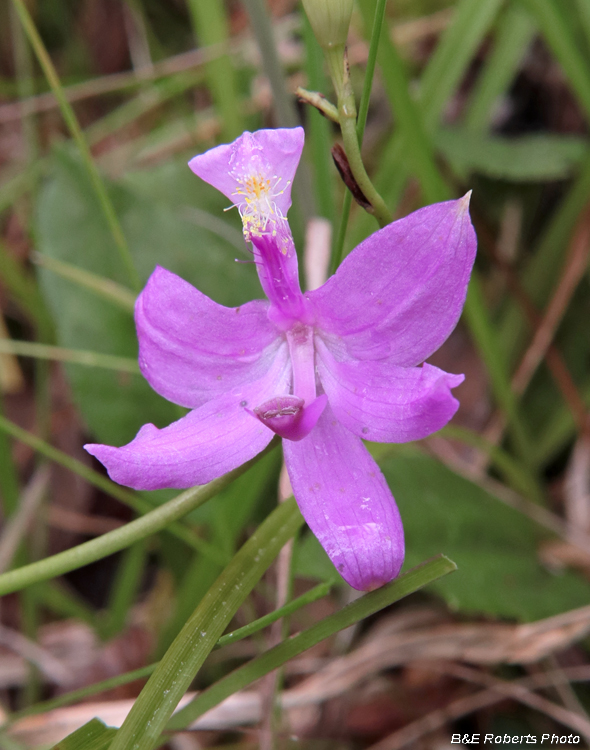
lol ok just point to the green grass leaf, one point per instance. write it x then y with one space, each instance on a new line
177 669
92 736
358 610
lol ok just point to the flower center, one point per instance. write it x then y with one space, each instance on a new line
256 203
295 415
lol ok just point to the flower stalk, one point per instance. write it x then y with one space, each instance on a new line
330 25
347 117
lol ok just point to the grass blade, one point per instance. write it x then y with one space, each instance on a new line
122 494
211 28
453 54
364 607
152 710
557 35
73 356
515 33
78 136
99 285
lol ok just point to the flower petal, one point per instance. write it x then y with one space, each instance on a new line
347 504
203 445
386 403
268 154
400 293
191 349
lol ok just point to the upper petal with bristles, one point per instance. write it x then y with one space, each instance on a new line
251 163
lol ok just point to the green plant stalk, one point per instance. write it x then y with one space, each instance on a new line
347 119
211 27
584 13
338 248
116 540
312 595
78 136
9 483
453 55
486 342
147 99
319 136
23 64
73 356
175 672
416 142
442 74
125 496
370 68
124 589
273 658
59 599
557 35
100 285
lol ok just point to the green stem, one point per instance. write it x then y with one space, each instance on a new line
370 69
74 356
338 248
78 136
100 285
175 672
116 540
74 696
121 494
360 609
319 591
347 115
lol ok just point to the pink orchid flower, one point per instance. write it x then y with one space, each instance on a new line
322 369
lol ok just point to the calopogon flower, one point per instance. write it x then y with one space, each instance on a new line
324 369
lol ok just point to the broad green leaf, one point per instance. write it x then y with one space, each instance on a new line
526 158
92 736
71 228
494 546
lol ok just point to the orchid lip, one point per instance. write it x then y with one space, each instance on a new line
288 416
